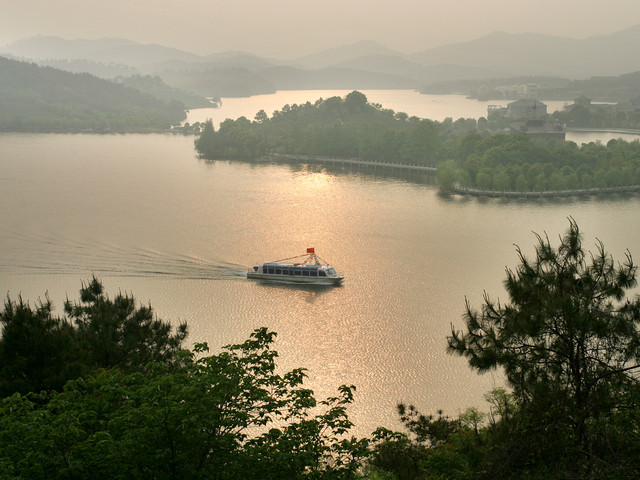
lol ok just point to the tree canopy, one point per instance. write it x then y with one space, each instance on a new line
346 127
223 416
41 351
136 405
517 163
568 342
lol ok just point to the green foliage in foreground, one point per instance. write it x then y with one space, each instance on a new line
567 341
517 163
224 416
41 351
346 127
44 99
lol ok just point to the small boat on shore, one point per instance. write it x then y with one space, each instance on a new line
310 270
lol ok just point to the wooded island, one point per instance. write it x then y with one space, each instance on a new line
467 154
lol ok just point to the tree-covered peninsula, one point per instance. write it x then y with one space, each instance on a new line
44 99
469 157
517 163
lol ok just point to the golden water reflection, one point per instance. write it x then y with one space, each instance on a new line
146 216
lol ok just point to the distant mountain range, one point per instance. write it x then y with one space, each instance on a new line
362 65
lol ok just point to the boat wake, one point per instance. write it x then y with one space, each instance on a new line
38 254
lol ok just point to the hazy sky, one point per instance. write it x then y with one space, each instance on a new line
286 28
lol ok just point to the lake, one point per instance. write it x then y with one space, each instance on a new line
146 216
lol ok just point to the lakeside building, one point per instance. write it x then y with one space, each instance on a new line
539 128
610 108
527 109
529 116
528 90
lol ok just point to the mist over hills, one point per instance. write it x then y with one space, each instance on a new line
106 50
344 53
536 54
361 65
45 99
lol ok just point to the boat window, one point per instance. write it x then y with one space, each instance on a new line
305 273
271 271
278 271
285 271
322 273
297 272
331 271
314 273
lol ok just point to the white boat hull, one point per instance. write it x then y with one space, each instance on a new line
291 279
312 271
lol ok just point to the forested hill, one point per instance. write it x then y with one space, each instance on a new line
340 127
43 99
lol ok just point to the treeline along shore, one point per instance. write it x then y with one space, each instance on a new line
545 194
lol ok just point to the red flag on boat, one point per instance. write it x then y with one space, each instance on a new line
311 250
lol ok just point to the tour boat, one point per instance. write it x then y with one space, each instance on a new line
310 270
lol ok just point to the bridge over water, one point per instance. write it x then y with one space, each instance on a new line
348 161
456 190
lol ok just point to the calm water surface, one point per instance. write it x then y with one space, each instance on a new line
148 217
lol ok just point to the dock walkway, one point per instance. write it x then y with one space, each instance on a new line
348 161
456 190
546 194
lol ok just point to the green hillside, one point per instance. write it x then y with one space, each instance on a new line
44 99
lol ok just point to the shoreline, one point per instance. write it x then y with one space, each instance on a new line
546 194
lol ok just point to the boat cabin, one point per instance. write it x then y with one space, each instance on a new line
299 270
313 270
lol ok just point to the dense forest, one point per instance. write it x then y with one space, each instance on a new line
107 391
516 163
43 99
341 127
